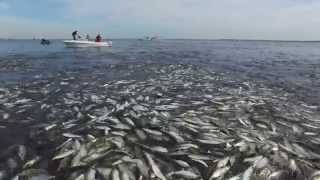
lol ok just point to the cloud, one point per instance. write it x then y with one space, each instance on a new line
4 5
248 19
18 27
244 19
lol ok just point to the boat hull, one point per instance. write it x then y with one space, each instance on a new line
75 43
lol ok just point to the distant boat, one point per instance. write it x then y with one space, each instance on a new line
85 43
147 38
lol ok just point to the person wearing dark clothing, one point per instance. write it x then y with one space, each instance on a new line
98 38
74 35
45 42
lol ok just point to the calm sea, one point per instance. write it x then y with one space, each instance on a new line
293 65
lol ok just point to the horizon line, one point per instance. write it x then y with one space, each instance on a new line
208 39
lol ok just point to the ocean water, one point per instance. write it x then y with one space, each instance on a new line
293 65
48 91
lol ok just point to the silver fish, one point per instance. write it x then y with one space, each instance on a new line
219 173
183 174
63 154
155 167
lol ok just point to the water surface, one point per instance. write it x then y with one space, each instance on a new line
239 90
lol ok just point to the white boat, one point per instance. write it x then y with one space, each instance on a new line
79 43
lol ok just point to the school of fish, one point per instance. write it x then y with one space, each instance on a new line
179 122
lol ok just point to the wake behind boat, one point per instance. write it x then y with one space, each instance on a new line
85 43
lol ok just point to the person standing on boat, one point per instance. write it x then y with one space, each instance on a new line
75 35
98 38
88 37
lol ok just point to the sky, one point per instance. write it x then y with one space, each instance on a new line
199 19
